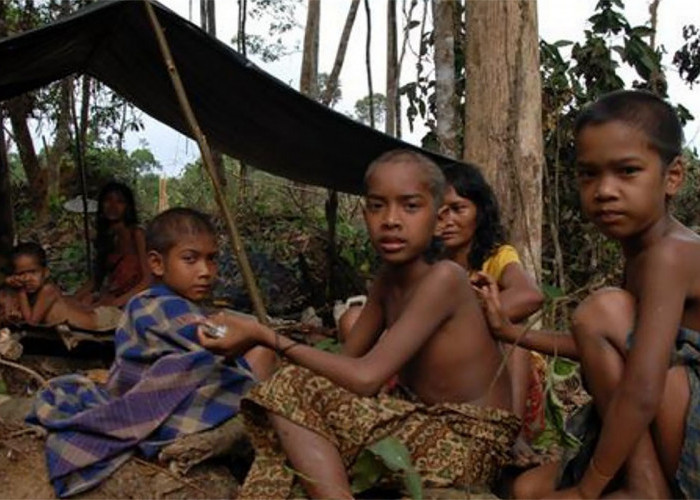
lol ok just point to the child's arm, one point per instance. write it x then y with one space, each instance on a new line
369 324
520 296
661 286
433 302
46 298
547 342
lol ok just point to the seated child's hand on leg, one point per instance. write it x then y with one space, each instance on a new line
242 333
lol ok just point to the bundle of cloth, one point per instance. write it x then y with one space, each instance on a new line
162 385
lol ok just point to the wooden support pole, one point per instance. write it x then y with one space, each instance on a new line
205 151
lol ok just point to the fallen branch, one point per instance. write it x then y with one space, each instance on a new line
165 471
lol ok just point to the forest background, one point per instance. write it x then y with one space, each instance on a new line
308 246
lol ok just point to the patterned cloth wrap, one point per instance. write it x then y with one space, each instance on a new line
586 425
453 444
162 385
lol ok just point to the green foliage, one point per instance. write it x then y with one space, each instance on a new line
382 459
329 345
687 58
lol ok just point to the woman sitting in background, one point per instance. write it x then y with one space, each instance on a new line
121 269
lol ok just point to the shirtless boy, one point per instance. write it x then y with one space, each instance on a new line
639 346
41 301
422 321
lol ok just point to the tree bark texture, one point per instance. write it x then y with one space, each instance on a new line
7 228
445 96
308 83
18 109
392 80
332 83
208 23
503 129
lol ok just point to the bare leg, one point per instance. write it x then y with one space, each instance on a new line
600 326
262 361
537 482
321 470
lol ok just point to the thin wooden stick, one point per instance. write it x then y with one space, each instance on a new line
29 371
165 471
205 151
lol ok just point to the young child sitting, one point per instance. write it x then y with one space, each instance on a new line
422 321
639 346
41 301
163 384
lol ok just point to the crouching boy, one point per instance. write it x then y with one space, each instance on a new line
422 321
163 384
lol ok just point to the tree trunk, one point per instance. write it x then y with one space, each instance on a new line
308 83
7 227
18 109
445 96
340 54
392 80
331 206
208 23
503 129
368 63
243 50
61 143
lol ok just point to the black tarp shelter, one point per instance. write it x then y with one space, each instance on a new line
244 112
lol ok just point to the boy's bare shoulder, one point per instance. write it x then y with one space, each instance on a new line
448 274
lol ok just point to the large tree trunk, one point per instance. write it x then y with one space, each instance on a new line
503 130
308 83
392 80
445 96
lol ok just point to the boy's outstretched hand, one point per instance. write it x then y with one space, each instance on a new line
242 334
487 290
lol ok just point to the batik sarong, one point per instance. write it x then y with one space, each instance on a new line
162 385
450 444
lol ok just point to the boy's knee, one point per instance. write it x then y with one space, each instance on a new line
605 310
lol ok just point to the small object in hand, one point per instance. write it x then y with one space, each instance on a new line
213 331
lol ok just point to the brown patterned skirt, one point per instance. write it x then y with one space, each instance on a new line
450 444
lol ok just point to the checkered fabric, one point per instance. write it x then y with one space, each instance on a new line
162 385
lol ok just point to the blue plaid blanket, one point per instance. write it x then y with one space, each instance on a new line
162 385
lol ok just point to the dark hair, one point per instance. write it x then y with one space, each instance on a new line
468 182
104 240
436 180
164 231
30 248
642 110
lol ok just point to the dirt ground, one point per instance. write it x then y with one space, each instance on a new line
23 471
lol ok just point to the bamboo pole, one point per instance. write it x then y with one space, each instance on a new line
205 151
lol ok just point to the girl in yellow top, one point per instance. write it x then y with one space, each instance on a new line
472 235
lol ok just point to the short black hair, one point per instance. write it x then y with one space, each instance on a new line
168 227
468 182
642 110
31 248
436 179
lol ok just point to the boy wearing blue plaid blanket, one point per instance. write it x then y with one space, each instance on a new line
162 384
